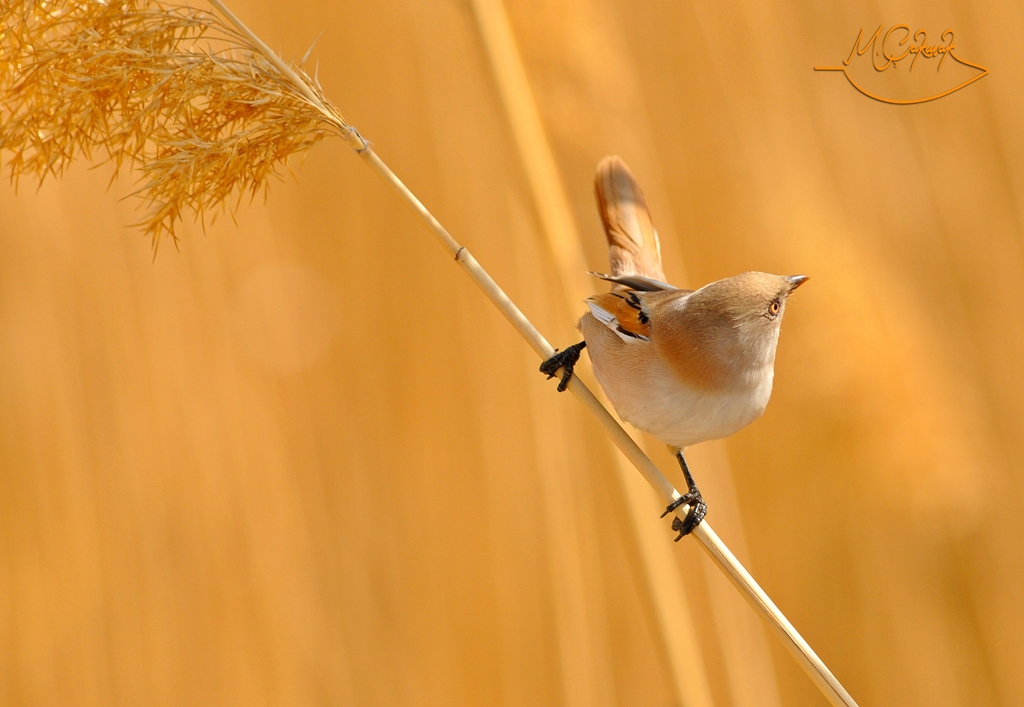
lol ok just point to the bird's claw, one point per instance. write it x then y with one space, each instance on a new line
698 509
565 360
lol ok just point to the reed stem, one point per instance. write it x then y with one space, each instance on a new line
708 539
661 579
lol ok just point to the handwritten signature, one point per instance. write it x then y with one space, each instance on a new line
888 50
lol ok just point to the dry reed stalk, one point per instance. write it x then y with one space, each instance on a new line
660 579
54 54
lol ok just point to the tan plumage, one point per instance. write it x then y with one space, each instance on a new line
686 366
633 246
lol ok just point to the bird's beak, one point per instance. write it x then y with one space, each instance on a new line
796 280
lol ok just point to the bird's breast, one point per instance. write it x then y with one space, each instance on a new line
648 393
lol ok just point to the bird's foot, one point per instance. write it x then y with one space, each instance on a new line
692 498
698 509
693 517
566 360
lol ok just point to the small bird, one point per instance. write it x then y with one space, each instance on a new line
686 366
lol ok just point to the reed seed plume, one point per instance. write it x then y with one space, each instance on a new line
204 114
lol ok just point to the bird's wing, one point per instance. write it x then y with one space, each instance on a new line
637 282
623 313
633 246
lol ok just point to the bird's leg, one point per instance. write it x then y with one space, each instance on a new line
692 498
566 360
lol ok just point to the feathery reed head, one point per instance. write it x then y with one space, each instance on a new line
205 111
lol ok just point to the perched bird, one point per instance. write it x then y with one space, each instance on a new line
684 365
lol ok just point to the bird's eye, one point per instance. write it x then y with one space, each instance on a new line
773 308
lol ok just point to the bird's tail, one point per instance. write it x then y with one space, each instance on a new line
633 246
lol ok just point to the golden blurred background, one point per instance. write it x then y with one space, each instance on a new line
301 460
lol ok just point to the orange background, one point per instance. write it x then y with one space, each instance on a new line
301 460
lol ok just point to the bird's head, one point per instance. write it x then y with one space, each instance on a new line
752 304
